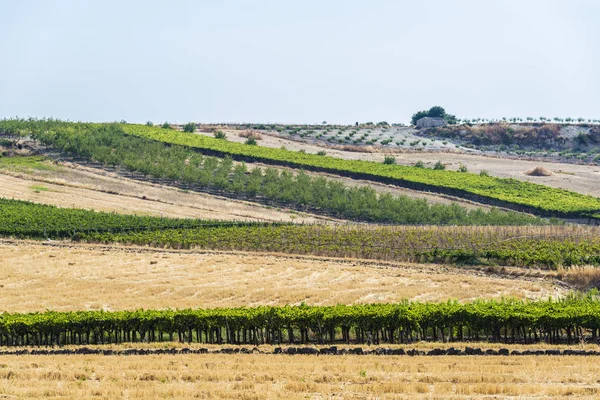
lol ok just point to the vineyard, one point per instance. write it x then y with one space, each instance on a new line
526 246
524 196
509 321
109 146
544 247
23 219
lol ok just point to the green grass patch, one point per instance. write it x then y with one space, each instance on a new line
39 188
28 162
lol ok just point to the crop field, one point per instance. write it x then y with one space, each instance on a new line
505 192
528 246
145 158
75 186
526 194
257 376
545 247
67 277
353 267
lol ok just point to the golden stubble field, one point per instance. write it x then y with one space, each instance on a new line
258 376
36 277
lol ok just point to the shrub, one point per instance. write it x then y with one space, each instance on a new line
419 164
539 171
166 125
190 127
484 172
462 167
250 134
322 153
220 135
251 141
439 166
389 160
149 123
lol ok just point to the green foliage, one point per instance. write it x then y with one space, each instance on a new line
190 127
149 123
166 125
541 248
418 115
439 166
562 321
419 164
251 141
23 219
389 160
484 173
462 168
220 135
109 145
434 112
539 198
30 162
322 153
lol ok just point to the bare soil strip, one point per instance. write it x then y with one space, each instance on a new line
36 277
458 349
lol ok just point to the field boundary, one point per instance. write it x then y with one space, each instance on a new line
306 350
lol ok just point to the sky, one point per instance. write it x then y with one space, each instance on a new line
303 61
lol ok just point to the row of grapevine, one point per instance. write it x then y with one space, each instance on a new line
542 246
545 247
25 219
108 145
565 321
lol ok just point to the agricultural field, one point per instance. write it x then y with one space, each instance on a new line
132 239
76 186
522 196
134 277
578 176
258 376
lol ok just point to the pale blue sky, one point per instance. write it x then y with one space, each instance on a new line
298 61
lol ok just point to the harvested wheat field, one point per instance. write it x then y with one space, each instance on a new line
257 376
36 277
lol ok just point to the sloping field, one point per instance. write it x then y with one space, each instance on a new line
504 192
36 277
88 188
577 178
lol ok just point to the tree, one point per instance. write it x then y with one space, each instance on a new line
434 112
190 127
418 115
